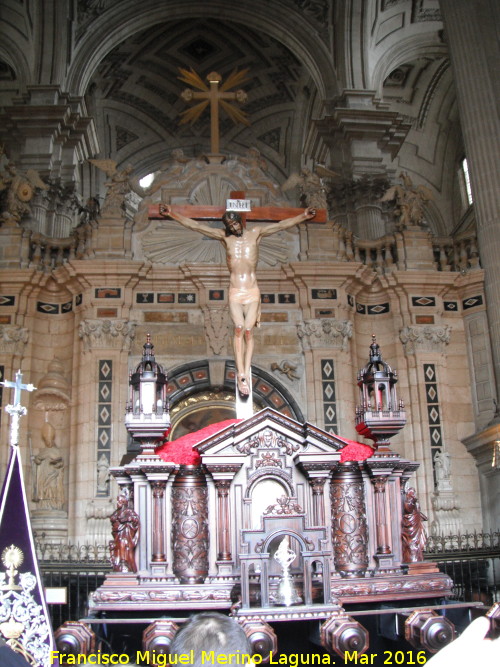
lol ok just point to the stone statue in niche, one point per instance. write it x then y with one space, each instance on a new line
125 531
48 489
413 535
102 473
442 465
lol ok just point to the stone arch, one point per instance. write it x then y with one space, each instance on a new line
401 52
194 381
119 22
14 55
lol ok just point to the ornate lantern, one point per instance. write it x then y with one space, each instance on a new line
148 418
380 415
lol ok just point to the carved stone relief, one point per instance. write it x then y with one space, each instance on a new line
13 339
106 334
217 326
425 338
321 333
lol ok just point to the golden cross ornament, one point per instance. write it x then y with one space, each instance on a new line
214 94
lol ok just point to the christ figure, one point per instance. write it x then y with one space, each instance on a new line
242 254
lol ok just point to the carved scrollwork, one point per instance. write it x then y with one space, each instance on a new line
284 505
267 439
268 460
425 338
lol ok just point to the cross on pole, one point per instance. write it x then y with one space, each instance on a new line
213 95
16 410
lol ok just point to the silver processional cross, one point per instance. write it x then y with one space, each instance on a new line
16 410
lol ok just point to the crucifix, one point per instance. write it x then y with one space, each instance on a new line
16 410
213 95
241 243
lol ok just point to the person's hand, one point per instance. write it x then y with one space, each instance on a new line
165 210
470 648
310 212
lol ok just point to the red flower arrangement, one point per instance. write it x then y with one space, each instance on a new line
182 450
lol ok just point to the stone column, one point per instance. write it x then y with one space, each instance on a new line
326 340
472 34
426 346
99 379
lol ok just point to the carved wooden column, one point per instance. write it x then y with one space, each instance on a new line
223 476
318 487
158 489
190 539
381 467
383 542
223 530
349 526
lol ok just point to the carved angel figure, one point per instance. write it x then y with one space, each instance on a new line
410 201
118 186
310 184
17 190
286 368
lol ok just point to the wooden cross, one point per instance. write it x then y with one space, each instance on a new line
214 96
16 410
257 214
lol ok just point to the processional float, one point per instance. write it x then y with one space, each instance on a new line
271 521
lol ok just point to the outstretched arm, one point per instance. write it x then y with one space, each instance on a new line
196 226
308 214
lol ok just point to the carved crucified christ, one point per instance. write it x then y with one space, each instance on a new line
242 254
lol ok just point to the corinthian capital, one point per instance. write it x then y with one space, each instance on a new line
425 338
13 339
327 332
107 334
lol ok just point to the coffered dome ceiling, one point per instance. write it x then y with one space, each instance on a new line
136 95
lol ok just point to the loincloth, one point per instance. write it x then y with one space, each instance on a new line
245 296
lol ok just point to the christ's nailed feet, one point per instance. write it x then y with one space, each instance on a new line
243 387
